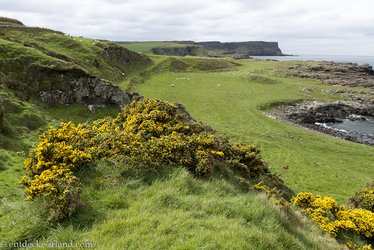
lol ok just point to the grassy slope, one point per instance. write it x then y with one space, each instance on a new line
170 209
23 47
51 47
231 104
145 47
23 123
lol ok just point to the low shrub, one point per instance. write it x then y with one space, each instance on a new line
32 121
363 198
339 221
148 134
51 166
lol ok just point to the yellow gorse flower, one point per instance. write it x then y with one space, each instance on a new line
336 219
150 133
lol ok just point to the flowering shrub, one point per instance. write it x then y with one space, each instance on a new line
334 219
148 134
50 169
360 221
364 198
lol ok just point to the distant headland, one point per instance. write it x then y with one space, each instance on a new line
237 50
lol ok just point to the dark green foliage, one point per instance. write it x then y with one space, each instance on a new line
214 65
178 65
32 121
171 64
134 81
195 64
9 21
18 120
260 79
363 198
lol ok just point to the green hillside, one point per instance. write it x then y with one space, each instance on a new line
157 206
232 102
41 56
200 167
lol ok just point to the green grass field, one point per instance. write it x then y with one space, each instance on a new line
232 104
169 209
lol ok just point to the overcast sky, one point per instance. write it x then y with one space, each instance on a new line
331 27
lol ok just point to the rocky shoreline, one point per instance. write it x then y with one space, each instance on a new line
342 74
315 115
354 82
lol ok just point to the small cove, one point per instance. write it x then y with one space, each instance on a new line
355 126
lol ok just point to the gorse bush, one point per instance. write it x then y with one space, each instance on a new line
148 134
51 166
364 198
340 221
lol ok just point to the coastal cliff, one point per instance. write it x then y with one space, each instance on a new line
189 50
55 68
251 48
219 49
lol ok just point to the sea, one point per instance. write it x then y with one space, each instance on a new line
330 58
365 127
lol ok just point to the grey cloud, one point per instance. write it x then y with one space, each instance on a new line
299 25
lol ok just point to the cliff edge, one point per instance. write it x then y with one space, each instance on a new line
221 49
56 68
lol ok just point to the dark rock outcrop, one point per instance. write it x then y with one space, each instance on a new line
87 91
316 115
323 113
54 85
344 74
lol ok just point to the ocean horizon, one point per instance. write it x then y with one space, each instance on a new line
331 58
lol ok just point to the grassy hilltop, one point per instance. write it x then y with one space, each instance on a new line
128 204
